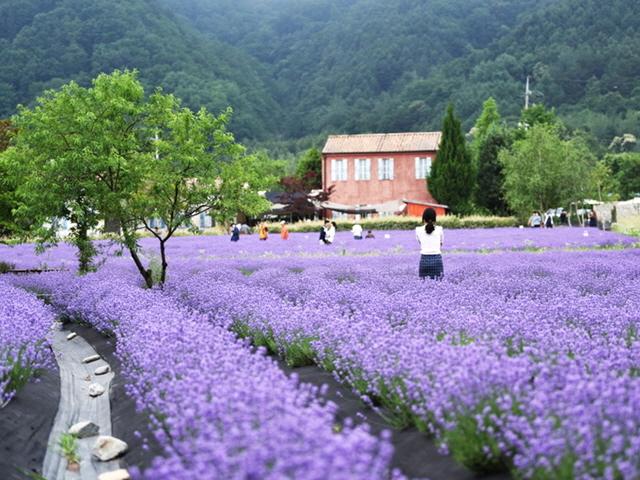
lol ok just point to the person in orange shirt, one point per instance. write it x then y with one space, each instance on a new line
284 231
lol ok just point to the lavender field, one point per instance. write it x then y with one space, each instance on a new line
307 245
525 358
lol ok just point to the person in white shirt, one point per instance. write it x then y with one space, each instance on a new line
356 230
331 232
430 237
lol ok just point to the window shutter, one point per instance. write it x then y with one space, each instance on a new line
427 170
380 169
343 174
368 169
418 168
333 170
391 169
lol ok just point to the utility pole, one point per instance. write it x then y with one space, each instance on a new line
527 94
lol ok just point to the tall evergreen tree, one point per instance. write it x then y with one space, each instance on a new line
452 177
490 181
309 169
488 119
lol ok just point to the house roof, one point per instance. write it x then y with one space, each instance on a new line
426 204
383 142
393 206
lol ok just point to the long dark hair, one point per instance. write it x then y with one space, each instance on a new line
429 217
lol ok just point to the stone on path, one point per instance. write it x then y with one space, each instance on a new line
95 389
91 358
72 335
121 474
102 370
107 448
84 429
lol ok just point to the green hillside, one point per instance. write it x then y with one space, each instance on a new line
45 43
302 68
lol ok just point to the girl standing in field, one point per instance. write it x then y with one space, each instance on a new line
284 231
430 237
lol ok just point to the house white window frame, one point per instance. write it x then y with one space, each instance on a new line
423 167
385 168
339 168
362 168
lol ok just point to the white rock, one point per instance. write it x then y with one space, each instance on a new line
102 370
107 448
84 429
95 389
72 335
121 474
90 359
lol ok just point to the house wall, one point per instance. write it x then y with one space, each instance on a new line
416 210
359 192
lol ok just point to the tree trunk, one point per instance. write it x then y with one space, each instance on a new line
163 258
131 246
86 250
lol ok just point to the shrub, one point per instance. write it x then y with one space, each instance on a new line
6 267
403 223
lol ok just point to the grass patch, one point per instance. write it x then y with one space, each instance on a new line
473 442
20 370
6 267
69 447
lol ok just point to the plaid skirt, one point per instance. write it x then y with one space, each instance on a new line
431 266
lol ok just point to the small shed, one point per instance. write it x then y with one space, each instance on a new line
416 207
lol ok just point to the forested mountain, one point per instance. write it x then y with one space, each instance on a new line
45 43
296 68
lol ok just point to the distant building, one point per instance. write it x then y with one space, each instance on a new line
379 174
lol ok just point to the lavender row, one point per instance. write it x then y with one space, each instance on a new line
24 324
219 410
523 361
306 244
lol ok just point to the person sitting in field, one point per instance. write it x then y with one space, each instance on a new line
356 230
331 233
370 234
548 220
430 237
593 219
535 220
284 231
235 233
323 232
263 231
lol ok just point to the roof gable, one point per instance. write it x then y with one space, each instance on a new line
383 142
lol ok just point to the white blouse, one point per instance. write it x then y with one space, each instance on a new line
430 243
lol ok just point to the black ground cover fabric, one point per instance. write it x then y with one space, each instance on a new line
415 454
25 424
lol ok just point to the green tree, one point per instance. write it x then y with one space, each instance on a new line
538 114
109 152
625 168
489 118
452 178
309 169
605 187
49 166
7 186
543 171
490 191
